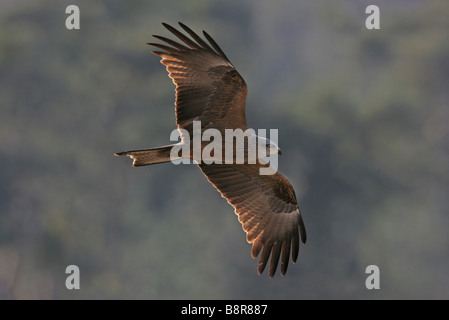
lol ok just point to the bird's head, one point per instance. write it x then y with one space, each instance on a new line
270 146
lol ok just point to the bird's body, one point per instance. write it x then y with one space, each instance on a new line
210 91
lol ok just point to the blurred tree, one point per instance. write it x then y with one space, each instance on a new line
368 111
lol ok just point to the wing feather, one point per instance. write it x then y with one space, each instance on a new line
208 87
181 36
267 208
215 45
197 38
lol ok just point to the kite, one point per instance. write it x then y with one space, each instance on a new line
209 89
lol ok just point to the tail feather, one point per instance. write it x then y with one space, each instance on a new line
148 156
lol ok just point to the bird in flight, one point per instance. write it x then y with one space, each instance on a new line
209 89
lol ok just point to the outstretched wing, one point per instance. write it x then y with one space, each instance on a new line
267 208
208 87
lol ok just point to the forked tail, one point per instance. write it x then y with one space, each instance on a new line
148 156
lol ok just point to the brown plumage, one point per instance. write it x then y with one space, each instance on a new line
209 89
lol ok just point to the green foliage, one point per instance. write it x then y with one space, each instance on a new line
363 126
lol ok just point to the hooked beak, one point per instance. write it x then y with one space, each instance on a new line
279 151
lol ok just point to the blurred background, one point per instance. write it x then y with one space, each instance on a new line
363 124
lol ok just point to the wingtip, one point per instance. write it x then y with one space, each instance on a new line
295 255
259 273
261 268
168 26
303 235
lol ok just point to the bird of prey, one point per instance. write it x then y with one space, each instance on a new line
209 89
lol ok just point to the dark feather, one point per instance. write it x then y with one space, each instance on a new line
200 41
215 45
181 36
